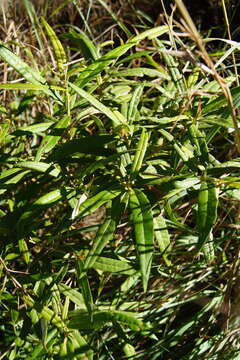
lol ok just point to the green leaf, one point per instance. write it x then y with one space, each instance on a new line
130 282
49 198
94 144
23 248
94 69
162 237
113 266
198 139
39 349
184 153
83 283
140 153
74 295
29 86
57 46
80 320
17 176
97 104
173 68
88 49
100 164
77 345
135 100
46 313
143 228
140 72
129 350
207 210
36 208
36 128
225 167
104 235
93 203
25 70
151 34
50 141
39 166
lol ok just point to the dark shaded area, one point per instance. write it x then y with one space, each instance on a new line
206 14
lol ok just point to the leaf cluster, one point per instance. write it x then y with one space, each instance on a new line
119 201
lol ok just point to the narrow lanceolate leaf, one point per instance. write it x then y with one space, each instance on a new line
114 266
207 210
140 153
51 140
104 235
80 320
152 33
97 104
198 139
80 39
101 64
140 72
30 214
39 166
173 68
78 346
162 237
12 176
36 128
83 283
25 70
29 86
143 228
184 153
23 247
57 46
74 295
209 250
49 198
93 203
20 66
132 108
225 167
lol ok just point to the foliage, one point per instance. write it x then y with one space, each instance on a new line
119 196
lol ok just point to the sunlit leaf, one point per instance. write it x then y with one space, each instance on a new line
57 46
143 227
31 75
207 210
162 237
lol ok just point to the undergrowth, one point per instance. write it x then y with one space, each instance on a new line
119 185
